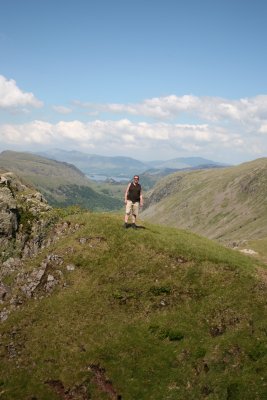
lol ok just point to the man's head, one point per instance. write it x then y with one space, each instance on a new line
136 178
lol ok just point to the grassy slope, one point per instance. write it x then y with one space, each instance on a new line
115 190
227 204
259 246
62 184
166 313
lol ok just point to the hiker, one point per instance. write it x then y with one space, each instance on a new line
133 199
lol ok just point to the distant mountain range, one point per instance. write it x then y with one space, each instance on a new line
91 164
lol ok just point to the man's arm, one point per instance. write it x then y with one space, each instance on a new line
141 199
126 193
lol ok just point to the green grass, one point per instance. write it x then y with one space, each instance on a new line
260 246
115 190
168 315
227 204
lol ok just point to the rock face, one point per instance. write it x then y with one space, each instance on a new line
28 225
46 275
23 216
8 214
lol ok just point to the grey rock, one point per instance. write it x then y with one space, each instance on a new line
4 314
8 213
50 278
4 291
23 217
70 267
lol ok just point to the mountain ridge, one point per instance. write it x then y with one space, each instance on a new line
225 204
121 165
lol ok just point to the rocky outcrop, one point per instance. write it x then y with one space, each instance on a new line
23 217
8 214
41 279
27 225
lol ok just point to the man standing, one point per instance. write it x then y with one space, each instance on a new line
133 199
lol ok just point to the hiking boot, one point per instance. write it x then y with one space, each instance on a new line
125 225
134 226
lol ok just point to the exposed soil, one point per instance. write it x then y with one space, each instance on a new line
103 383
76 393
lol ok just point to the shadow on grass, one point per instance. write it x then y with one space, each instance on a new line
133 226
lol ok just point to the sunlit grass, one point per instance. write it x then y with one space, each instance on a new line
168 315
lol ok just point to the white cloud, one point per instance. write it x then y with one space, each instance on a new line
213 109
12 97
74 130
263 128
35 132
117 137
62 109
219 128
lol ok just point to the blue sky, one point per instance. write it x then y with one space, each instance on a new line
147 79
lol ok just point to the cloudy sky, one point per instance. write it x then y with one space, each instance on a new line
149 79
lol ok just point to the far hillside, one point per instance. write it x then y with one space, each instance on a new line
92 164
228 204
61 183
186 162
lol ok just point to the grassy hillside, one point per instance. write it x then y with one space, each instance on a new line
153 313
258 247
227 204
61 183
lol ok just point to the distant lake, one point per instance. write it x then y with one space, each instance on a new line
103 178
